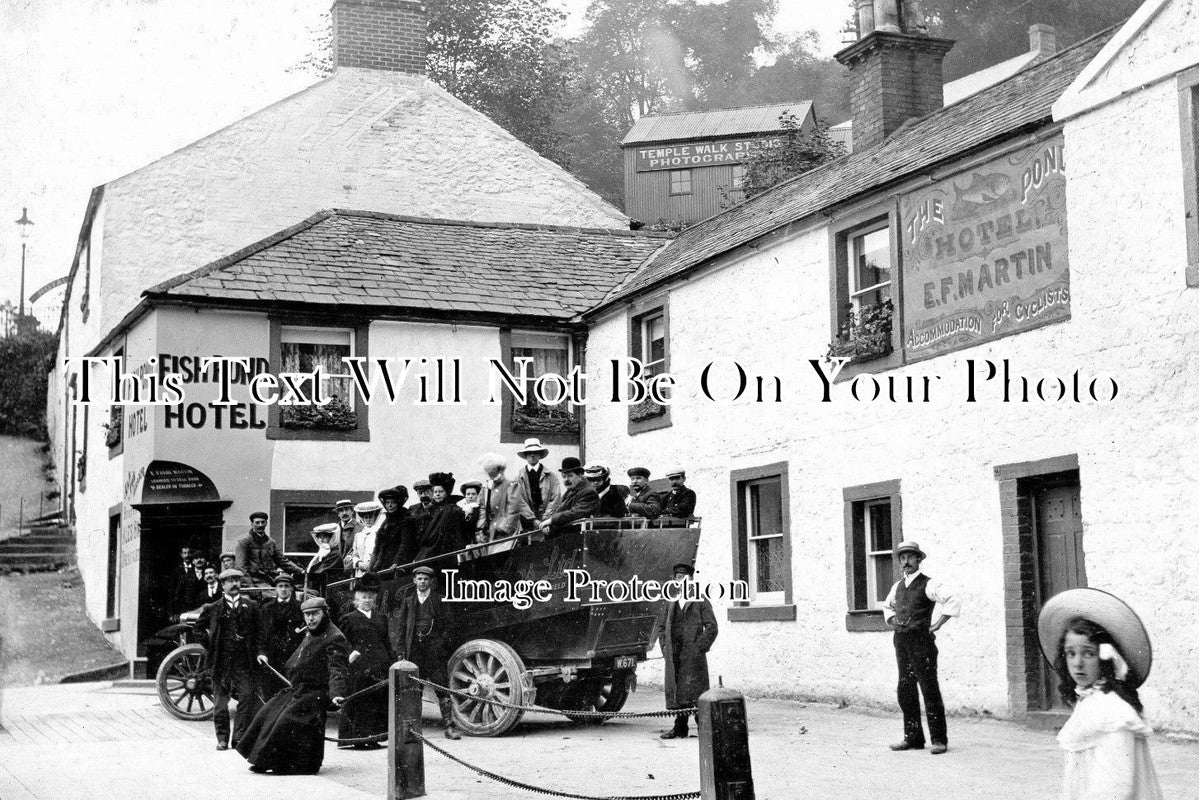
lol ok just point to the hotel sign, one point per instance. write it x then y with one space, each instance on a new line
702 154
985 252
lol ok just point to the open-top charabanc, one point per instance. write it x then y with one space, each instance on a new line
575 654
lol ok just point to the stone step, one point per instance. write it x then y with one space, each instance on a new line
43 536
19 546
40 559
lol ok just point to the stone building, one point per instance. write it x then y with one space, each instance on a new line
376 134
1046 225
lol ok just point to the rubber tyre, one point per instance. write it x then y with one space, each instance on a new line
185 683
492 670
607 695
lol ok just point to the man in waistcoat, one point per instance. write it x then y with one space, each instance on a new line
916 608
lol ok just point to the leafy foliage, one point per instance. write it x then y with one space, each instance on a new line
24 364
333 416
866 334
801 150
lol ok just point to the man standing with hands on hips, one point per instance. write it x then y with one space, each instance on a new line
916 608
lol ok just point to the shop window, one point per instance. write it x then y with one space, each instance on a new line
649 343
547 353
680 181
872 532
762 542
1188 97
304 349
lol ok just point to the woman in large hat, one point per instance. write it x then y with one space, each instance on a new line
1101 653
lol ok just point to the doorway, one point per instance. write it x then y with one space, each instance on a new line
1043 554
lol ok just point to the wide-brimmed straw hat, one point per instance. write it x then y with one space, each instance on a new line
533 446
1110 613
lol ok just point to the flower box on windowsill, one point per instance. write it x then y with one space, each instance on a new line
646 409
112 434
866 335
334 416
543 419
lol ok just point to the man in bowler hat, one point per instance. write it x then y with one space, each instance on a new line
916 607
579 501
233 625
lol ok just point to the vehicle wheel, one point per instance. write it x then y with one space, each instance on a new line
487 670
608 695
185 683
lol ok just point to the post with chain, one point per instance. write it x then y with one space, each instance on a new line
405 753
724 769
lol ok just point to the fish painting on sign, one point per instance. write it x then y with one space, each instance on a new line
982 191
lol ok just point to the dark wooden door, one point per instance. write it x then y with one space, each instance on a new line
1060 560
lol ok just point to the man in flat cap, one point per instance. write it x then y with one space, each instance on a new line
288 736
579 501
228 561
258 557
916 607
233 625
282 629
678 500
611 500
536 486
422 630
423 507
642 500
687 634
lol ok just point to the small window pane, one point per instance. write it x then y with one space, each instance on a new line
884 576
654 336
680 181
764 528
880 526
770 565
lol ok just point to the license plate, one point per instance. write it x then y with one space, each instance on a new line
626 662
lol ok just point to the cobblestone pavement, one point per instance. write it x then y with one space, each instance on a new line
102 740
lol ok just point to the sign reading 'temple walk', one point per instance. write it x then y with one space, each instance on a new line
701 154
985 252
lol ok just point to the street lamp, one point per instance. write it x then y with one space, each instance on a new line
26 223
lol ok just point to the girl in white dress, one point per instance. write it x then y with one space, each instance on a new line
1102 654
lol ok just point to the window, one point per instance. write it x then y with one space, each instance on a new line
1188 100
738 177
870 269
762 542
763 506
302 344
114 434
872 532
550 353
649 343
298 522
306 349
680 181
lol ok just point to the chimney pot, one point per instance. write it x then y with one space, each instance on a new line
1042 39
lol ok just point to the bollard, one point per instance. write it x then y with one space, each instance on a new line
724 769
405 752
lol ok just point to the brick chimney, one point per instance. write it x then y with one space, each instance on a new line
1042 39
894 69
379 34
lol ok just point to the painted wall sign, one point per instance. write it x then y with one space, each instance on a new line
172 482
985 252
701 154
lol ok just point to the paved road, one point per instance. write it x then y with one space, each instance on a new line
99 740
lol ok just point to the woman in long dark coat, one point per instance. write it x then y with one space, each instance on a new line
288 735
688 634
445 527
370 659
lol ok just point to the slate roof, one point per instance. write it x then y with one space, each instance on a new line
1022 102
710 124
362 259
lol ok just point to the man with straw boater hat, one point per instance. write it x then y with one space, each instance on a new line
537 487
916 607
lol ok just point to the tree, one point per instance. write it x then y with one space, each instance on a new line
990 31
798 73
800 151
24 364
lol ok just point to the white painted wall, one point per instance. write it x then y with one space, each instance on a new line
1132 318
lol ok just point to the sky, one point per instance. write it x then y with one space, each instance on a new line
93 89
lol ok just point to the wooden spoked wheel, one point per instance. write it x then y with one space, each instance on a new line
185 683
605 694
486 670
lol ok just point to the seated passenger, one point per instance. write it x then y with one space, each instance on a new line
642 500
578 502
611 500
678 501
